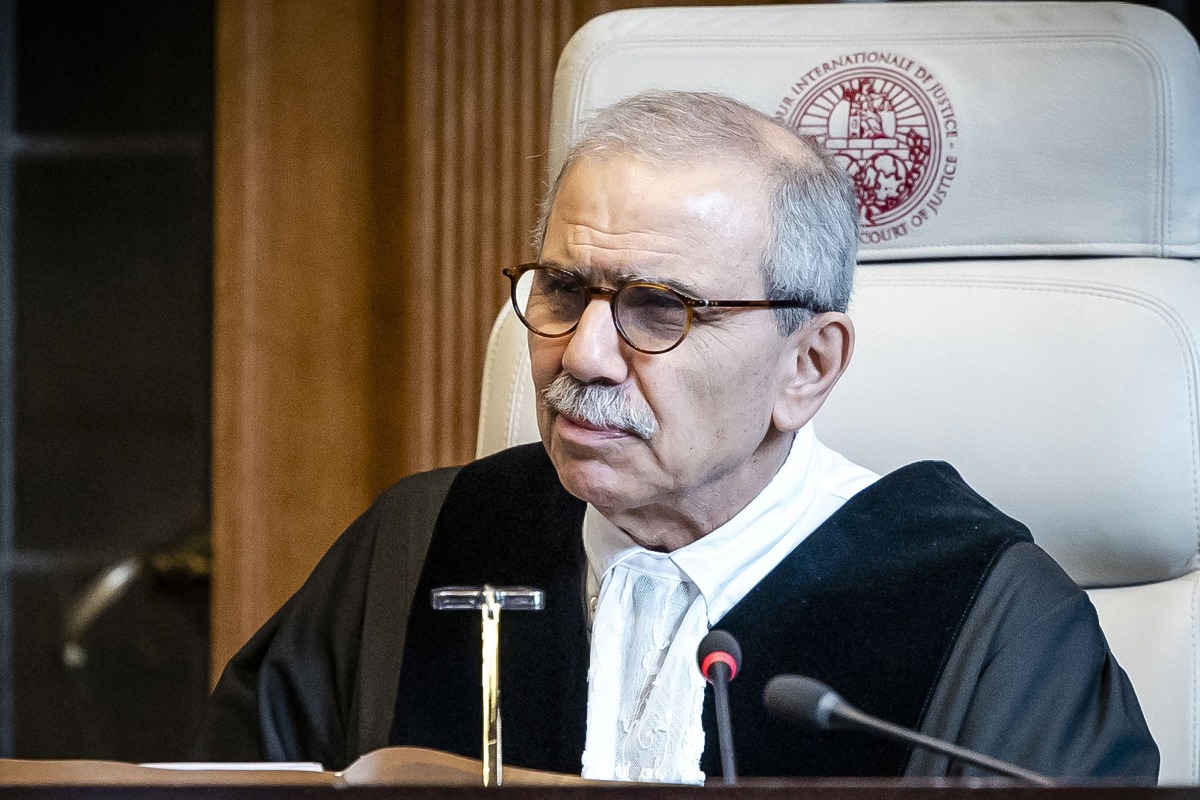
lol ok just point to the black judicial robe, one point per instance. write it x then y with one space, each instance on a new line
919 601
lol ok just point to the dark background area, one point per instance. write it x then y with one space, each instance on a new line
106 114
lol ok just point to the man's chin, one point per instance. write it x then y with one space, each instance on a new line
591 478
591 489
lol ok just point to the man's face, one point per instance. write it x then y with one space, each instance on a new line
714 445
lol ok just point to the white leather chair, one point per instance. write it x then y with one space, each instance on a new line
1028 305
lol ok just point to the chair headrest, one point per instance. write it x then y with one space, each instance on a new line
973 129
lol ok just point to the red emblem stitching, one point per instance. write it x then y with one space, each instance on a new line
891 124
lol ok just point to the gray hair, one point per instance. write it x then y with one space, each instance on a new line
813 214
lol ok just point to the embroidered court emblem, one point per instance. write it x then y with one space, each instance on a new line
890 123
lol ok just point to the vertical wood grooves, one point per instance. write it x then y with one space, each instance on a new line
234 432
467 271
411 224
452 191
524 104
492 68
291 390
488 122
509 154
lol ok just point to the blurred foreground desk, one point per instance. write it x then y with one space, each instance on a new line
425 775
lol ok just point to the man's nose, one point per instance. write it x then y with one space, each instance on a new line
594 352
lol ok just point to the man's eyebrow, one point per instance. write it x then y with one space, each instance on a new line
684 287
680 286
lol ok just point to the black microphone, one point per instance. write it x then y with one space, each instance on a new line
720 658
799 699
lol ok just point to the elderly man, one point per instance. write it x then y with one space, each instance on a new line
687 320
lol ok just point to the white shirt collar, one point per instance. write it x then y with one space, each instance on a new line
813 482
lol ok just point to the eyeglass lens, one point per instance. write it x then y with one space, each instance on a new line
552 302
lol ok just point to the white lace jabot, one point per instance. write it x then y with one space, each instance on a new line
650 611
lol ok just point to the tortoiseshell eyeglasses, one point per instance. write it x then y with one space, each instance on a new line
650 317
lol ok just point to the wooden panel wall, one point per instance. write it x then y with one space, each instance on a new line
294 242
377 163
473 87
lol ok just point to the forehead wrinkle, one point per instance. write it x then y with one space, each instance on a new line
616 252
689 232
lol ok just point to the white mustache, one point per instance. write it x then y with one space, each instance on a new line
600 405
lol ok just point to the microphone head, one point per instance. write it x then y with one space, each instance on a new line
797 698
719 647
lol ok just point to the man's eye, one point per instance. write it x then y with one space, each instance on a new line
563 286
653 309
552 285
649 299
660 301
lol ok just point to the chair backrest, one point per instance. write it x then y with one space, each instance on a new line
1029 302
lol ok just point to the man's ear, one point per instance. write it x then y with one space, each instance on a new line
818 353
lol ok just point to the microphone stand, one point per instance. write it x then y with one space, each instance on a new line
849 716
720 682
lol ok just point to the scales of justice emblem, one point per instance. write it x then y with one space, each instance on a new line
884 118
